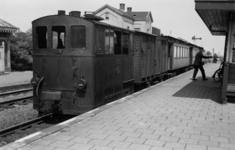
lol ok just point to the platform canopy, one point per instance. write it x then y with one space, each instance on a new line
6 27
216 14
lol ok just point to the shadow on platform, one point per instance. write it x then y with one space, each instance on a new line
201 90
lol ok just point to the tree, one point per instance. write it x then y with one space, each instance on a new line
21 50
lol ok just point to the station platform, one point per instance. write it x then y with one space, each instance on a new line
177 114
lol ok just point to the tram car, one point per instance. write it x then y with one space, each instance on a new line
81 63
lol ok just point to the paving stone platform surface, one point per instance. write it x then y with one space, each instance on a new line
178 114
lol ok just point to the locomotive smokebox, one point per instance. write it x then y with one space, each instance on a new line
61 12
75 13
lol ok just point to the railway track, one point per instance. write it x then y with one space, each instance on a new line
17 101
7 102
16 132
16 92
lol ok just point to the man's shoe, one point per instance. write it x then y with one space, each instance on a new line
205 79
194 79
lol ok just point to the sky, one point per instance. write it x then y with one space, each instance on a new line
176 18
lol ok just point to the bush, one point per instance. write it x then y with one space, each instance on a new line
21 50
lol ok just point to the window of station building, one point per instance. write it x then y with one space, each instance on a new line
58 37
125 43
78 37
117 43
41 35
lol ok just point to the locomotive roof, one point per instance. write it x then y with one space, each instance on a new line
95 22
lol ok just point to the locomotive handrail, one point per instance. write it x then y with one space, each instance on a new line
38 88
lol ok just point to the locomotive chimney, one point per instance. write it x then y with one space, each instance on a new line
129 9
75 13
122 7
61 12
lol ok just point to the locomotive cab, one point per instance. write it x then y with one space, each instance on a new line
79 64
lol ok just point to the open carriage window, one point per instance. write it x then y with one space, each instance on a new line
58 37
125 43
117 43
41 34
78 37
100 40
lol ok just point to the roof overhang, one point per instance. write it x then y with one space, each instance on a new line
7 29
216 14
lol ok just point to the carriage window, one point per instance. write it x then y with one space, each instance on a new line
125 44
78 37
41 34
131 44
100 40
117 43
58 37
107 48
175 52
111 46
182 52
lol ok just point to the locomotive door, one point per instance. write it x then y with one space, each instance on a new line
2 58
53 61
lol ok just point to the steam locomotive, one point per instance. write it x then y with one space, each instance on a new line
80 63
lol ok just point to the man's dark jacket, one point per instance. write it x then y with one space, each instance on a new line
198 59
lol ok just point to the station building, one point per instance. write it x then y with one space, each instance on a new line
219 17
133 20
6 29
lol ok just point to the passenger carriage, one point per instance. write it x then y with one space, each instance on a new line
178 54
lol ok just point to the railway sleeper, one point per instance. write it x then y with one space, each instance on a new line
5 140
24 132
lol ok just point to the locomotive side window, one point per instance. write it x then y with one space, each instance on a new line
125 44
41 34
78 37
111 46
117 43
58 37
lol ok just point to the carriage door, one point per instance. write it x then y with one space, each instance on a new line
170 56
2 58
191 56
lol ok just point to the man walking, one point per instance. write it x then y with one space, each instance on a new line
198 64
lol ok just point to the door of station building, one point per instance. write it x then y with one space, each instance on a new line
2 58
